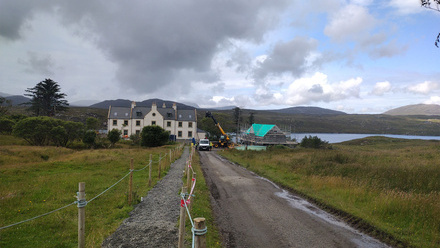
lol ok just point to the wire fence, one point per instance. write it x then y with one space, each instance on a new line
198 228
83 203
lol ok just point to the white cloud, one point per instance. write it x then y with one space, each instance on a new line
318 89
424 88
352 22
380 88
433 100
406 6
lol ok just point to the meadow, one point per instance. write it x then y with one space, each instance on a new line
36 180
388 187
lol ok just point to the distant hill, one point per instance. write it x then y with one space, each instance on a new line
308 111
17 100
148 103
82 103
416 109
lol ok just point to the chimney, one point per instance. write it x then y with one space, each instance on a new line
174 106
133 104
163 105
153 106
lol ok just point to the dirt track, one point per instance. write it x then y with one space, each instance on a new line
253 212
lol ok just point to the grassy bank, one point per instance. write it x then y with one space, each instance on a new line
202 207
391 184
36 180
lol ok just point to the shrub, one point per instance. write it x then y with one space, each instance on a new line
44 130
114 136
6 126
152 136
313 142
89 138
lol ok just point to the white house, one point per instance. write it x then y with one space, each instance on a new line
130 120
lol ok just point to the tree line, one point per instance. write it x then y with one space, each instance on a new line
42 129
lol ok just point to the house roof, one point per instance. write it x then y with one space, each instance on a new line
139 112
259 129
186 115
120 113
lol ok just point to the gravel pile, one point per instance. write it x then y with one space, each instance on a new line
153 222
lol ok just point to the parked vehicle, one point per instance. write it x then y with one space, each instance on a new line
204 145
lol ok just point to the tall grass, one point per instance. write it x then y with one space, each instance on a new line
392 184
36 180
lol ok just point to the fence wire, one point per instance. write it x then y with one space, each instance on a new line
75 202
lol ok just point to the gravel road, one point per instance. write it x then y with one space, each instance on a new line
153 222
254 212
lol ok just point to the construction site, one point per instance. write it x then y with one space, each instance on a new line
265 135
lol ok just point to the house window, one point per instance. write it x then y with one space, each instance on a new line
180 124
190 134
138 114
125 132
138 123
169 115
138 132
126 123
168 123
154 114
115 122
153 123
179 134
190 124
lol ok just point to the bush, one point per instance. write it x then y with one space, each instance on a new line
313 142
152 136
44 130
114 136
6 126
89 138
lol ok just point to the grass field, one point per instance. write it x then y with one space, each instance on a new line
202 207
391 184
36 180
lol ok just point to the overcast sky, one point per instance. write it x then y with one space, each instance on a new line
358 56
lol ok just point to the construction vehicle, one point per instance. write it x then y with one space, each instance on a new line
224 140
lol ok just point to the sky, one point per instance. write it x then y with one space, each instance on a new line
357 56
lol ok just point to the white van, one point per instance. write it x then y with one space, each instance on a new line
204 145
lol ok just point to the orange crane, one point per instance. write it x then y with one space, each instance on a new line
224 138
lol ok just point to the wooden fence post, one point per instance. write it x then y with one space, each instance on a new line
200 233
171 158
130 183
149 170
81 215
182 221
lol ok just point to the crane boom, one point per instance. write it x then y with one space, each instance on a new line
226 137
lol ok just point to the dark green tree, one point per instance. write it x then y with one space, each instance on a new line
92 123
5 106
46 98
6 125
152 136
114 136
44 130
35 130
89 138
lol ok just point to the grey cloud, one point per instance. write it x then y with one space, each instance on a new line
289 57
38 64
152 42
316 89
